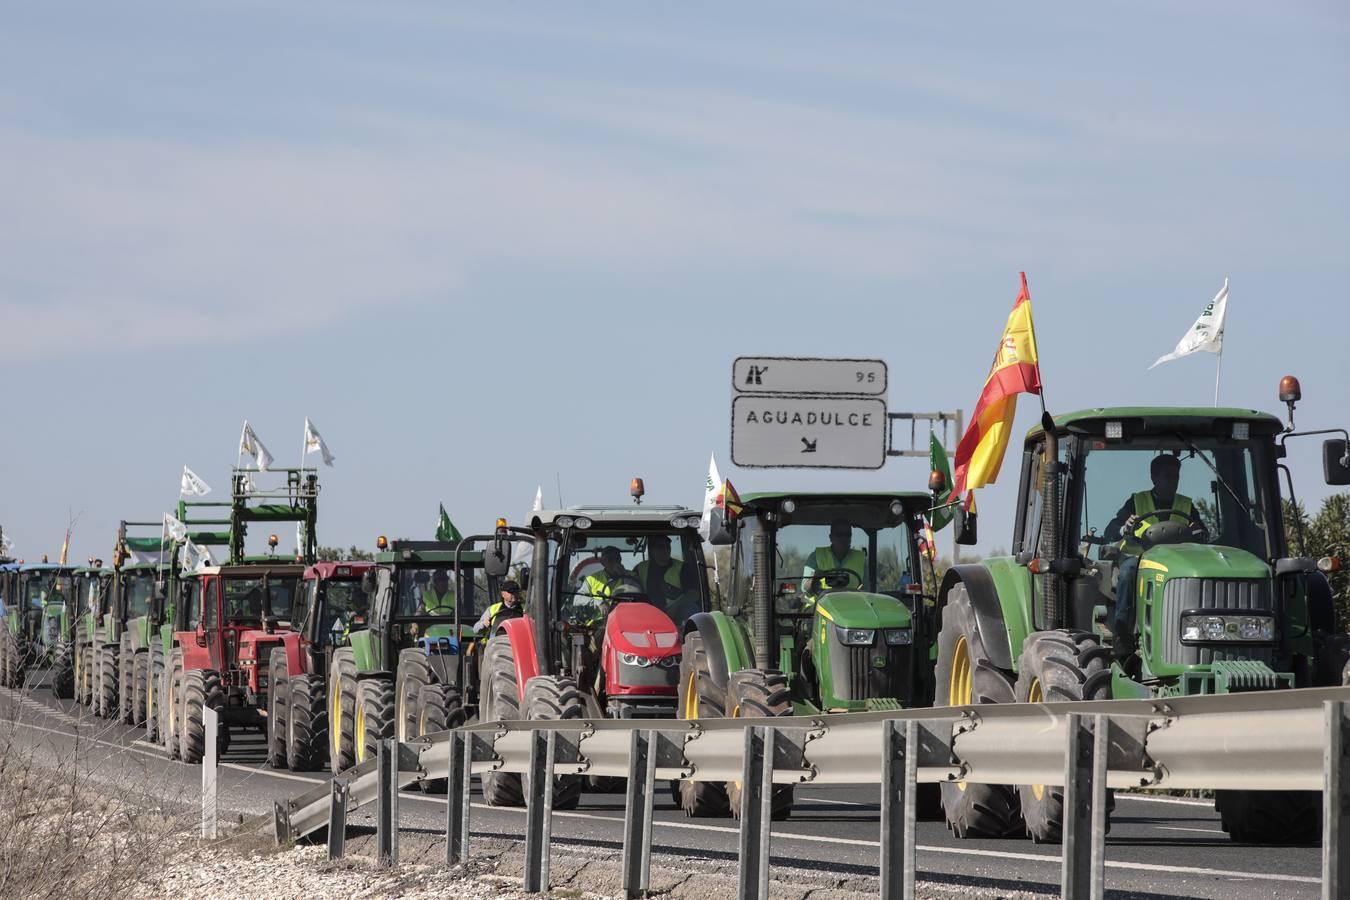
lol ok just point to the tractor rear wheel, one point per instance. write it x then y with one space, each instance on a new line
439 707
414 673
306 723
201 691
342 710
126 686
1270 817
171 707
10 657
700 698
1056 666
550 698
277 695
755 693
374 716
966 676
140 667
89 678
500 700
63 670
107 681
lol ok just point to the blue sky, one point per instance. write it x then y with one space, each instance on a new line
484 244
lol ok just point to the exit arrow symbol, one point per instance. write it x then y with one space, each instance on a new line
810 446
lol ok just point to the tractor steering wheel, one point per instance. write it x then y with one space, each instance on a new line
1166 531
834 579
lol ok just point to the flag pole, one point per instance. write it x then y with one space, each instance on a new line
1218 371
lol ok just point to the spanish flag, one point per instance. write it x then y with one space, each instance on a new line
1016 370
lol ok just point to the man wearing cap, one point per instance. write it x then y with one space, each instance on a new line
437 598
507 608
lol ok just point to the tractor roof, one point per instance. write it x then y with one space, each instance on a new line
427 553
147 567
45 567
338 569
1191 419
864 510
629 516
91 570
255 570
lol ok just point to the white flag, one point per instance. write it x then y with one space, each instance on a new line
1207 332
249 443
538 499
299 540
192 486
176 529
314 443
710 497
193 558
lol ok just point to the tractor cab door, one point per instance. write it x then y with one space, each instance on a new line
383 606
209 632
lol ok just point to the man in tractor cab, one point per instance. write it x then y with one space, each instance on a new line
506 608
840 554
1130 523
661 575
437 598
601 585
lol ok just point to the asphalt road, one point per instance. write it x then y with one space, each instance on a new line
1157 846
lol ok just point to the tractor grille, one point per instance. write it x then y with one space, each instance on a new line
866 680
1181 594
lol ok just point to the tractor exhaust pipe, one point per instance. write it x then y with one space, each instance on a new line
539 610
763 599
1050 522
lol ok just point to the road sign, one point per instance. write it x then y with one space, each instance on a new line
807 375
772 432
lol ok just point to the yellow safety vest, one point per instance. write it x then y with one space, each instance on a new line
1143 508
671 576
443 605
600 586
823 560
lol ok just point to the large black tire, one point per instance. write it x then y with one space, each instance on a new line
11 659
439 708
1270 817
374 716
154 689
140 672
201 690
1057 666
107 681
755 693
550 698
500 701
63 670
306 723
277 697
171 706
126 686
85 678
965 676
702 699
341 707
414 673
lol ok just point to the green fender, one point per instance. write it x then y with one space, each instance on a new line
726 642
1001 594
363 651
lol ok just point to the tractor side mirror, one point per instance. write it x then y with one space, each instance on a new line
368 581
497 559
1335 462
721 528
964 524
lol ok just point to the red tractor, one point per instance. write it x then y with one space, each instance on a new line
334 599
609 591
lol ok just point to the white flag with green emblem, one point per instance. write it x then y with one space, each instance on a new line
314 443
192 486
1206 334
710 489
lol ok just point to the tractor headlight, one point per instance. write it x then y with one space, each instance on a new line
632 659
857 637
669 662
564 521
583 522
898 637
1199 628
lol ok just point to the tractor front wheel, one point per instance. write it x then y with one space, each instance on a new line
107 681
306 723
126 685
154 690
756 693
700 698
201 691
500 701
966 676
374 716
342 711
277 695
1057 666
414 673
1270 817
171 707
551 698
63 670
140 672
439 708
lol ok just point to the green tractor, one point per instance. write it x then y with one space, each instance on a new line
1149 561
833 588
400 675
36 619
92 594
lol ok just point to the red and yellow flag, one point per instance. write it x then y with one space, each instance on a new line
1016 370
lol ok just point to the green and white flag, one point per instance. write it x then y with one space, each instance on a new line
937 462
1206 334
446 530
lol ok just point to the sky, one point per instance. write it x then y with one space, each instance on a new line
487 247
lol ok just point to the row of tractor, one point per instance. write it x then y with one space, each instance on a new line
1150 559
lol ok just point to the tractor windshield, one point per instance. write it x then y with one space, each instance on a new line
140 588
1217 488
658 568
47 588
248 599
92 594
430 591
346 607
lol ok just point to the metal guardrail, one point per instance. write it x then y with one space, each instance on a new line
1286 740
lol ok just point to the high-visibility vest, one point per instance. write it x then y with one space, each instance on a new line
443 605
671 577
495 617
601 586
823 560
1143 508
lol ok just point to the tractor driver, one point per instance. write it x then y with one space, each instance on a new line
1130 523
661 575
840 554
601 585
507 608
437 598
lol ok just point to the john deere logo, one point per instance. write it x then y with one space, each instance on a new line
879 662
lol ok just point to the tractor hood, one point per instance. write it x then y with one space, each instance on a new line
858 609
641 629
1203 561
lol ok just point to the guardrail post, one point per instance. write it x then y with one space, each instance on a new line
457 795
1084 831
1336 801
386 805
539 810
211 719
756 811
637 816
899 783
337 819
281 822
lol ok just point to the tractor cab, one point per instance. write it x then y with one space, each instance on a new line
46 594
333 601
